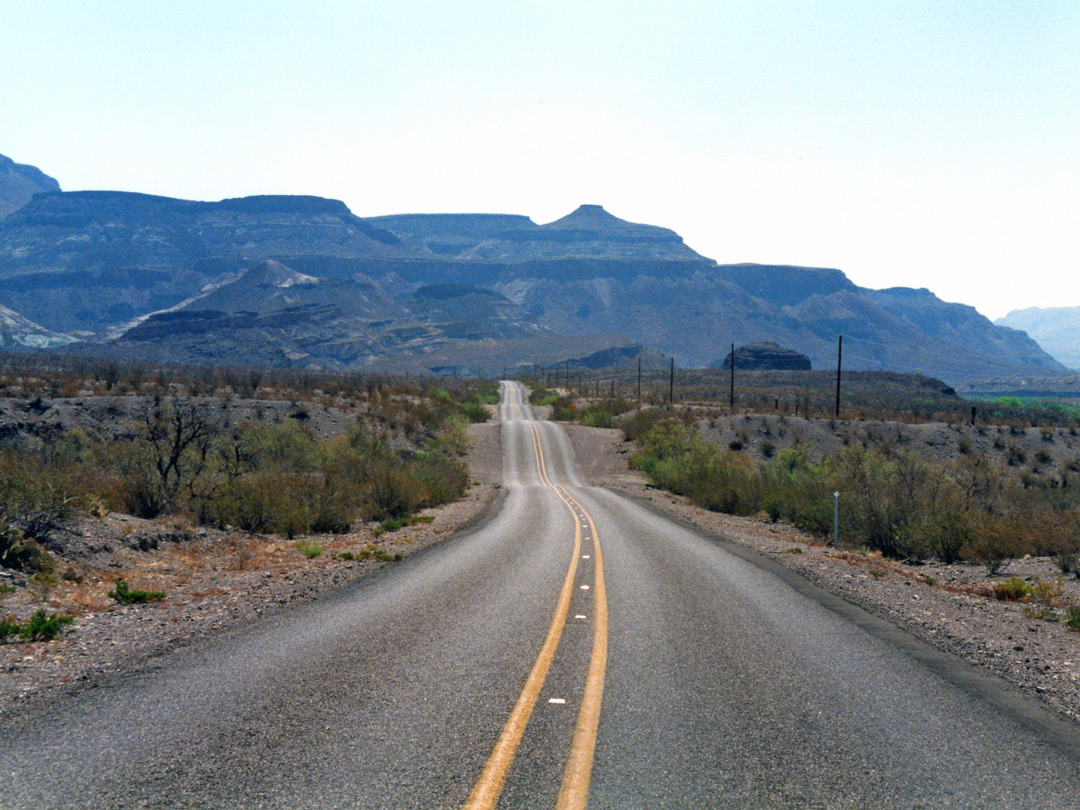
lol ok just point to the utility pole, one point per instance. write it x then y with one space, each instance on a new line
839 356
639 379
671 384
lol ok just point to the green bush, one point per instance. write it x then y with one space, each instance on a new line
394 524
17 551
8 629
123 595
678 460
309 550
443 479
948 534
392 493
36 497
1072 617
637 424
1013 589
44 626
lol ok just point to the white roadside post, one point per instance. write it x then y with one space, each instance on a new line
836 519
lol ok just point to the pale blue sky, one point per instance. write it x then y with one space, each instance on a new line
927 144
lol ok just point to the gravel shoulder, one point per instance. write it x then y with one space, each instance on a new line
213 580
941 604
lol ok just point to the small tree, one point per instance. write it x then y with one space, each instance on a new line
169 457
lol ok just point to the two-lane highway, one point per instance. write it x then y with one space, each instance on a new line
576 648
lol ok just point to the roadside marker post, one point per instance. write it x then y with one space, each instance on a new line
836 519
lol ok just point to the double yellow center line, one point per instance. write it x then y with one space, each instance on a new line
574 791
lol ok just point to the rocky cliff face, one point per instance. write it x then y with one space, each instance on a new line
19 183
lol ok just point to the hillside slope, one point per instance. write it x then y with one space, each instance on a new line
19 183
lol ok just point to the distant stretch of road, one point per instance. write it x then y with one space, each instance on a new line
576 649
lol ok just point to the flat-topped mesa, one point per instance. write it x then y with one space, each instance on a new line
765 355
89 261
587 232
481 226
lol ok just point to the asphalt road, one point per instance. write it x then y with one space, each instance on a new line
483 672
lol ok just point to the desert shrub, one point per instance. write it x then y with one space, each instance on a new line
475 412
41 584
799 491
1013 589
36 496
392 492
284 447
602 413
309 550
996 541
290 504
595 417
122 594
8 629
681 461
637 424
44 626
947 535
542 396
1046 592
18 551
167 459
393 524
889 499
979 483
444 479
1072 617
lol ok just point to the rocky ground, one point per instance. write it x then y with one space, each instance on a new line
1036 451
216 580
949 606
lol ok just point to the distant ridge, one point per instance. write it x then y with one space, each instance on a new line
300 280
19 183
1056 329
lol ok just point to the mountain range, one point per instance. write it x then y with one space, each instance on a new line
301 281
1057 329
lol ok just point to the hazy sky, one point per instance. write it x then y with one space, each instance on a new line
909 143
